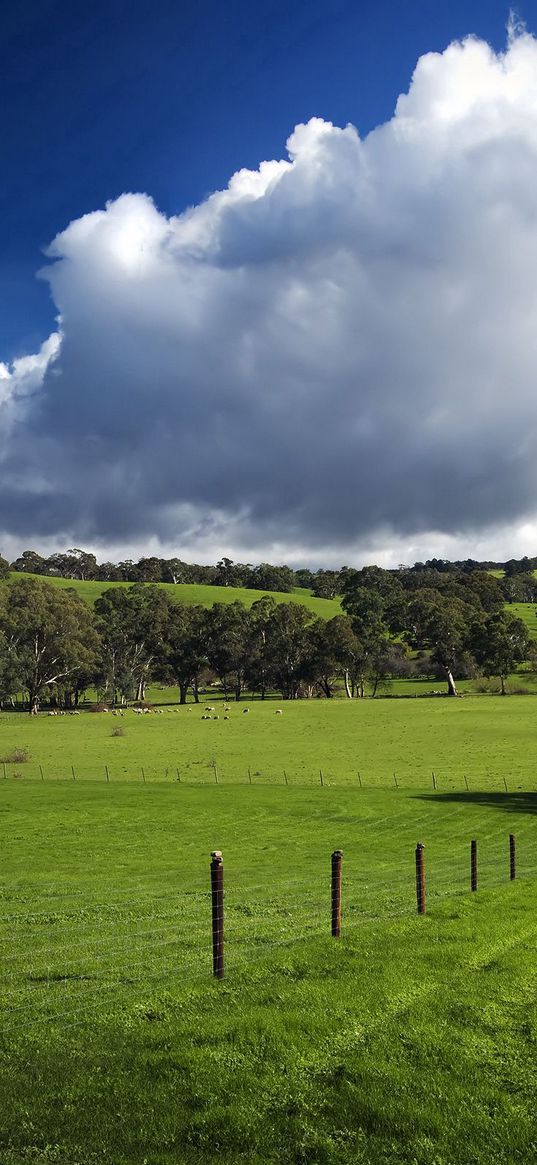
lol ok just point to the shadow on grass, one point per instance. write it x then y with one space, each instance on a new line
512 802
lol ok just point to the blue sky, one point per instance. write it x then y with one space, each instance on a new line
170 97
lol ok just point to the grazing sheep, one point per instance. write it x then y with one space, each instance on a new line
246 709
278 712
216 717
226 717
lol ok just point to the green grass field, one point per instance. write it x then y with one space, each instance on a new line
409 1041
487 738
528 613
205 596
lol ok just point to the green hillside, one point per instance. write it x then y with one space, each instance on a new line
528 613
198 593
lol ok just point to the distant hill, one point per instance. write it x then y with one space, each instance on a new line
197 593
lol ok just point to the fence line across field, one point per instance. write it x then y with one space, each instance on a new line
444 868
175 976
332 896
436 780
445 871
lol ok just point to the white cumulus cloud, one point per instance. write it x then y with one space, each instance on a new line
336 353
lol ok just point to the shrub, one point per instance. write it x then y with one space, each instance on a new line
117 731
18 756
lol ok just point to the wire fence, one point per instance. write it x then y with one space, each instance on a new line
62 966
208 772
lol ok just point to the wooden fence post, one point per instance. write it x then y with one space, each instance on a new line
217 902
473 865
336 893
420 877
512 857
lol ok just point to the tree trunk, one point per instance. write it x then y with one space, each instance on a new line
196 690
502 682
452 689
348 692
238 690
183 689
140 691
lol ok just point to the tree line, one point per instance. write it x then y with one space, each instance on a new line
518 583
394 624
82 565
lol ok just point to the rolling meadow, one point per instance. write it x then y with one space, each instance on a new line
408 1040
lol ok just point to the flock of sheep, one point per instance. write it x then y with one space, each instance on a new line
209 714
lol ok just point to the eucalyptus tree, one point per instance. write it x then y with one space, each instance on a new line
185 654
291 649
442 625
227 629
48 637
259 670
133 625
338 654
498 643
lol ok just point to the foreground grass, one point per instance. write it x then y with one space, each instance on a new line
410 1041
481 740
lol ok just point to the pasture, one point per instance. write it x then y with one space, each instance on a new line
406 1042
528 613
484 739
198 593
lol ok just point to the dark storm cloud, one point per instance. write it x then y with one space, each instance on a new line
337 345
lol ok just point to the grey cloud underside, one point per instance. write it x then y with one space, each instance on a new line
337 345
